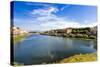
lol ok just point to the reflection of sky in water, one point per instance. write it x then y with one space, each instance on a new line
48 48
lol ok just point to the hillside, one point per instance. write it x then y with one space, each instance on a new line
88 32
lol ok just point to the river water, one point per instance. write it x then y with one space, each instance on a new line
41 49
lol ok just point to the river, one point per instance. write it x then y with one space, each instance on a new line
41 49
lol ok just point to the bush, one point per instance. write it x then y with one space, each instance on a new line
92 37
85 36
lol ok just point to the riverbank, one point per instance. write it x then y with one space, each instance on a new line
80 58
83 33
18 38
64 45
77 37
72 59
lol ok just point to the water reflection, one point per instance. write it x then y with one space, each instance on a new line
38 49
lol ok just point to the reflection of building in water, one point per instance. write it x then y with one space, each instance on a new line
91 44
49 48
50 54
69 42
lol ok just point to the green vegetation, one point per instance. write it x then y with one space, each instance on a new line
18 38
17 64
86 33
73 59
80 58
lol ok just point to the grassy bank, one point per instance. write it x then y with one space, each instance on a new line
18 38
73 59
15 64
80 58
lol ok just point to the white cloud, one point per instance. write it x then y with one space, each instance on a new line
46 20
64 7
45 11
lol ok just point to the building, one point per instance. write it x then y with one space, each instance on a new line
93 30
68 30
17 31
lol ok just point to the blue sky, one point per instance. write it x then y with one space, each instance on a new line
37 16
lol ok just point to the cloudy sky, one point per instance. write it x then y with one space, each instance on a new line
35 16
